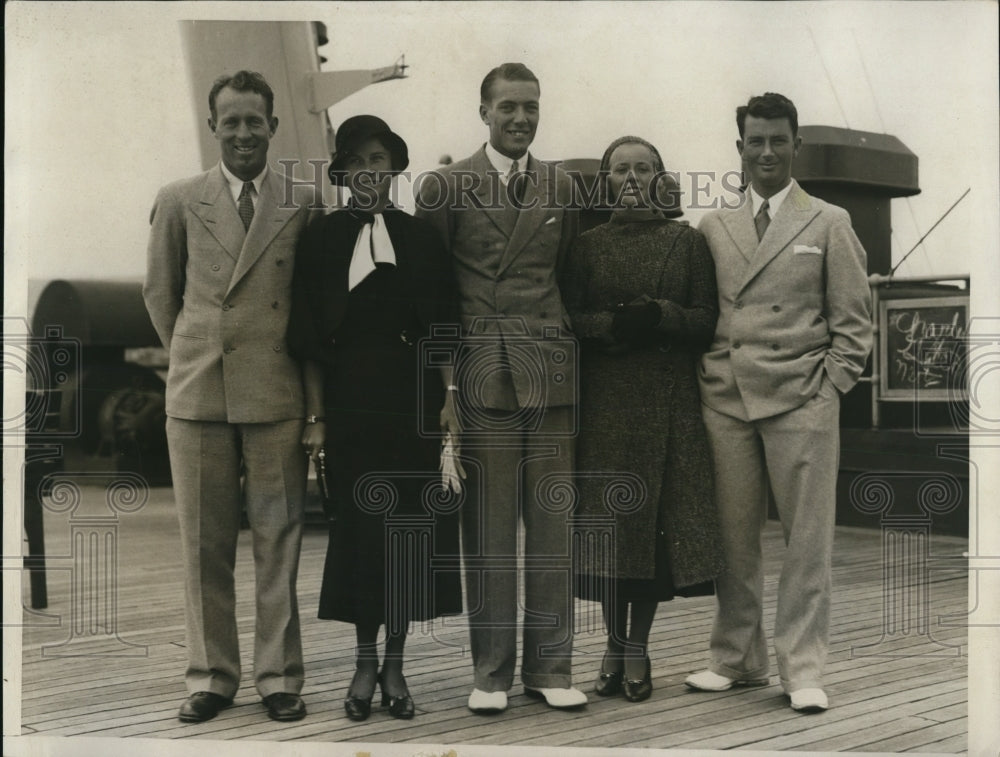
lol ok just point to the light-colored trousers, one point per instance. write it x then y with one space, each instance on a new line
207 461
795 456
520 473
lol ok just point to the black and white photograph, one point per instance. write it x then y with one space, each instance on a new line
453 378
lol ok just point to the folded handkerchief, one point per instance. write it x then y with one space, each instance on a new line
805 249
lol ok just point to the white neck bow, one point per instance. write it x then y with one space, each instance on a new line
372 246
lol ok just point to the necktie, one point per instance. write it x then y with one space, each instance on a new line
516 180
762 220
246 204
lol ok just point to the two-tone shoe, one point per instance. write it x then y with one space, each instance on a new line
706 680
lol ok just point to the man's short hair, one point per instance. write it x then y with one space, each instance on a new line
768 105
243 81
508 71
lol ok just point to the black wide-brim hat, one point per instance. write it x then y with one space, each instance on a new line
358 129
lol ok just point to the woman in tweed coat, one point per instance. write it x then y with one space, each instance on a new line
640 290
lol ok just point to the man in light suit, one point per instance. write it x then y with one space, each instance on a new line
507 224
218 290
793 335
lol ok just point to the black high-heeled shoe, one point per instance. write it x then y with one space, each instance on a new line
608 684
636 691
358 708
399 707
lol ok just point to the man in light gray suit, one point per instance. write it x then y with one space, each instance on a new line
218 290
793 335
506 220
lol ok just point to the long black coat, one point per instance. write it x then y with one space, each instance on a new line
642 452
393 553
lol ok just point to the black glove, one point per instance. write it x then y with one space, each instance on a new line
634 323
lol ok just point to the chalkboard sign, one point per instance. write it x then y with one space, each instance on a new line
923 348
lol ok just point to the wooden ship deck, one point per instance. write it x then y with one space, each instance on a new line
896 674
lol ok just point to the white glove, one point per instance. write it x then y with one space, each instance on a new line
451 468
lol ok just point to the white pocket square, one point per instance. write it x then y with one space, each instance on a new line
805 249
552 219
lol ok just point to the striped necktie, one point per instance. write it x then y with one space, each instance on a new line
762 220
516 180
246 204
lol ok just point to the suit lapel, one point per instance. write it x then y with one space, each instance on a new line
538 201
487 189
739 224
795 213
269 218
217 211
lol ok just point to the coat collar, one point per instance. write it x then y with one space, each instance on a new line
217 211
538 198
796 212
215 207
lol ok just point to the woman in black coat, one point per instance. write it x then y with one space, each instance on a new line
641 292
370 281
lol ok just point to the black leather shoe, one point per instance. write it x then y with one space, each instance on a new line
202 706
285 707
358 708
608 684
399 707
636 691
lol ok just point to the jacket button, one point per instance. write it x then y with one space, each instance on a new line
274 305
216 267
738 305
736 345
775 347
280 262
277 348
776 308
226 307
227 350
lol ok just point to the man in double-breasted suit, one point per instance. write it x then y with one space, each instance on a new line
506 221
793 335
218 290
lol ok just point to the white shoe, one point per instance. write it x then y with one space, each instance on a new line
706 680
561 699
487 701
809 700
